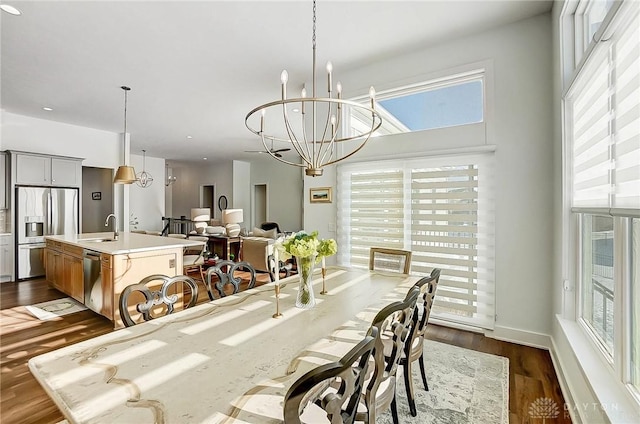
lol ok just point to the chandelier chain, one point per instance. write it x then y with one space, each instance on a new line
313 39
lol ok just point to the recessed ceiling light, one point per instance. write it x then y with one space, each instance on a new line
204 158
189 137
10 9
48 109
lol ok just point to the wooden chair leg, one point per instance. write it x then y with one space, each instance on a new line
394 410
408 383
201 273
424 375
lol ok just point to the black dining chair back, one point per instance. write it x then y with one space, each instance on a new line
270 226
339 405
226 273
393 323
154 297
414 345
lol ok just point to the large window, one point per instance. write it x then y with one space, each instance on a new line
602 124
445 102
597 277
439 208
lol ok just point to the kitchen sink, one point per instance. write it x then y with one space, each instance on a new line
98 240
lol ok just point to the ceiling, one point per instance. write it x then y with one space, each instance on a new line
196 68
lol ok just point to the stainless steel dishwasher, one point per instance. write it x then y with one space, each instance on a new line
92 280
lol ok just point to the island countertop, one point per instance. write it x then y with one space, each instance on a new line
126 243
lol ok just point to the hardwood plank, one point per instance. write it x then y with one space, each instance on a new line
22 336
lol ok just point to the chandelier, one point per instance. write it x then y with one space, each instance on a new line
144 179
170 178
316 148
125 173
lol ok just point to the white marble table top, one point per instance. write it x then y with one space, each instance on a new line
126 243
220 362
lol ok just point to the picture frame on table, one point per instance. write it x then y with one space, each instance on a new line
320 195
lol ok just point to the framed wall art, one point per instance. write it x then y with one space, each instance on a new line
320 195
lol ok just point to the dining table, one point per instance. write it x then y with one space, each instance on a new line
225 361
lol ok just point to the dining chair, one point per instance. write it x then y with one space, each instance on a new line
393 323
311 400
414 345
387 259
155 297
225 271
193 259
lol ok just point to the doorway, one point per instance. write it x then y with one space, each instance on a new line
259 204
207 198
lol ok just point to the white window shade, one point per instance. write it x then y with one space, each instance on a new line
626 57
439 208
604 117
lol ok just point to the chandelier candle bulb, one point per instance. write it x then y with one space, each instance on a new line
284 77
329 69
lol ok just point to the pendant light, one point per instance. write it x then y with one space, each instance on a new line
144 179
125 174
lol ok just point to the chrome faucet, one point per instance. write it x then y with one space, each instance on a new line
115 225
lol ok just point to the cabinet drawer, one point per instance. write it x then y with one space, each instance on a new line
55 245
72 250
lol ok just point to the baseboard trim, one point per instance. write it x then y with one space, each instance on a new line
522 337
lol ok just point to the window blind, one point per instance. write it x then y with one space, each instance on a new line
604 119
440 209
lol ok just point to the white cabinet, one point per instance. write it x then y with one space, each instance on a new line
4 181
47 170
6 258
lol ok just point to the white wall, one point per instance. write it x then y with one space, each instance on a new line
147 204
520 126
102 149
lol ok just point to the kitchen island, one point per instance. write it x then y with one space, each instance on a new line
94 268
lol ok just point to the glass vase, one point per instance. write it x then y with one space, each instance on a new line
305 299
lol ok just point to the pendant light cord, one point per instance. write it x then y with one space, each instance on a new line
124 135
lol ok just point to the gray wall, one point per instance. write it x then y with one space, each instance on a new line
94 212
284 192
191 176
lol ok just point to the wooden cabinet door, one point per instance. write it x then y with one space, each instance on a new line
73 277
107 286
66 172
54 271
33 169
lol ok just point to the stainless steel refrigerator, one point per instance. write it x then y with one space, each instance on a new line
42 211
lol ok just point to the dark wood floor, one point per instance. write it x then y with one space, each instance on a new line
22 400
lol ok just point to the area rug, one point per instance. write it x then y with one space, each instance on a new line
55 308
465 386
